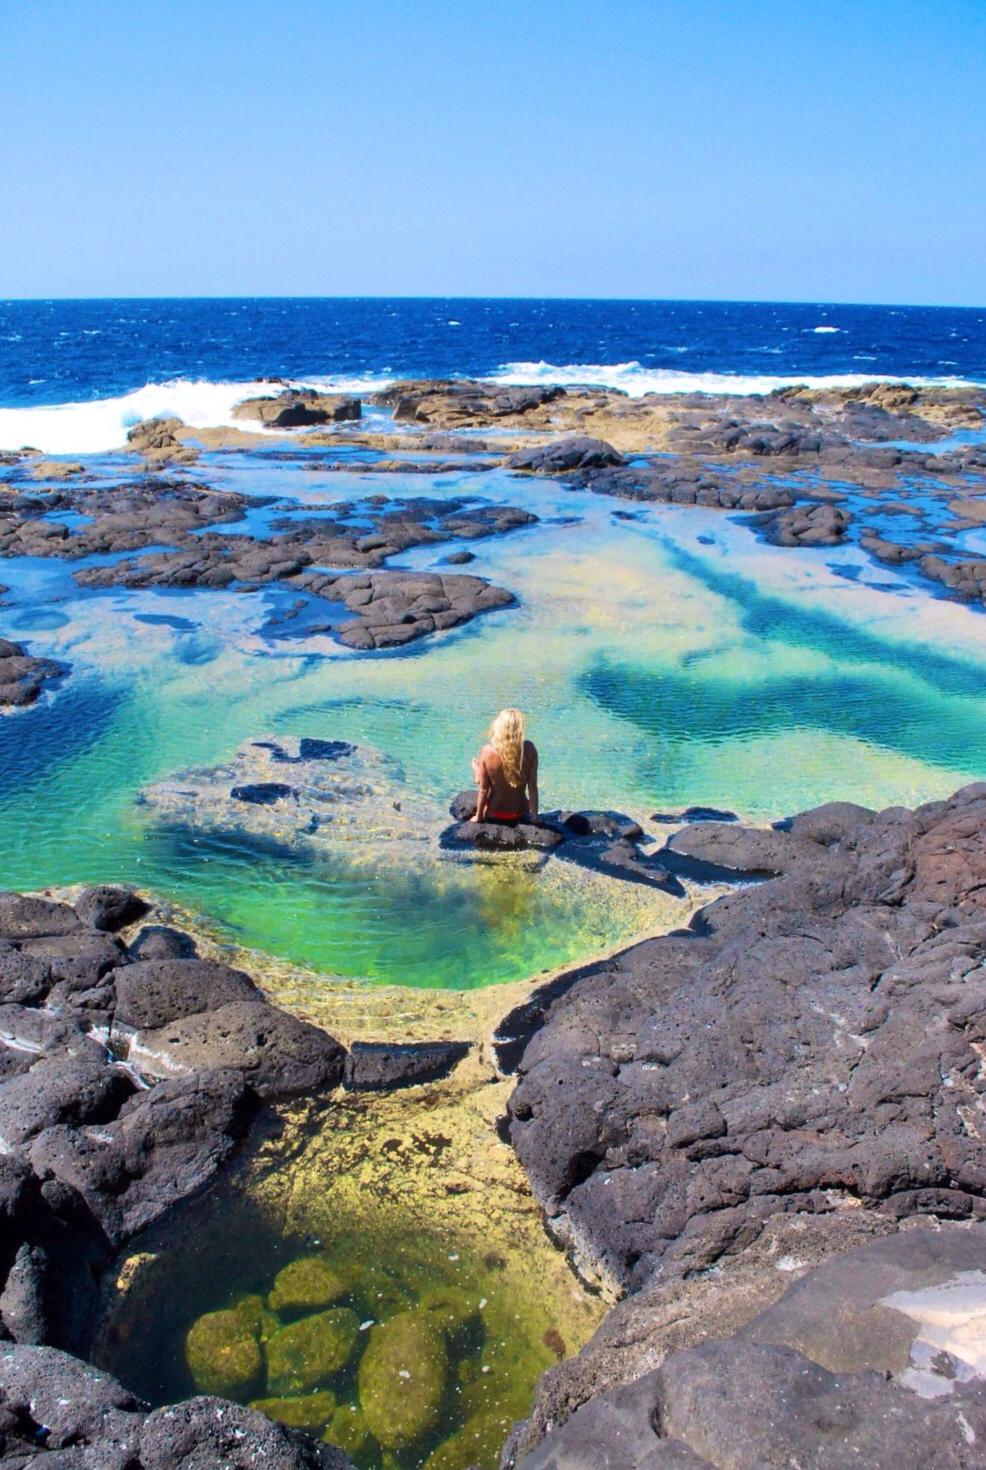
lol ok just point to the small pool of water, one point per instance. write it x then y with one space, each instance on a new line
361 1291
664 656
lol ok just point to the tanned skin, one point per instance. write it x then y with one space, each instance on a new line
495 794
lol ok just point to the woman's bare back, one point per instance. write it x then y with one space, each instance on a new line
497 798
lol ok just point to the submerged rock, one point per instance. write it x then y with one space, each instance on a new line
310 1411
302 1356
339 797
223 1354
402 1378
348 1430
304 1285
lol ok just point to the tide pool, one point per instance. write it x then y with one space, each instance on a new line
663 656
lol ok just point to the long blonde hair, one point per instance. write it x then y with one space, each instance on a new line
506 735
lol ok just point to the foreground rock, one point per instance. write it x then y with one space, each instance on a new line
813 1044
125 1085
874 1358
22 677
53 1408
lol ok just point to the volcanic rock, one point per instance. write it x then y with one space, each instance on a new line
872 1358
374 1065
831 1018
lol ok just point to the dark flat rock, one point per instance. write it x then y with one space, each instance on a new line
579 452
373 1066
696 814
846 1368
829 1018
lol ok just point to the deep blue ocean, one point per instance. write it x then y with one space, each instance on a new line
115 352
57 351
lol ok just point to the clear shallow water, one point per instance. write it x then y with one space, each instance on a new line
664 660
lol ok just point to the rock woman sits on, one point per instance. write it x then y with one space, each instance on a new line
506 773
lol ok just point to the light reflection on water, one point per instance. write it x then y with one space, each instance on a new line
663 661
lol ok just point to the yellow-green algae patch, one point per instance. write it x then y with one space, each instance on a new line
411 1204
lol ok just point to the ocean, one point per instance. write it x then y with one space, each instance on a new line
75 374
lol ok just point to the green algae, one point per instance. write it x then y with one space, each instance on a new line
304 1284
402 1379
223 1354
310 1411
307 1353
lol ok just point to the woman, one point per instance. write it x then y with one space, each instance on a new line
506 773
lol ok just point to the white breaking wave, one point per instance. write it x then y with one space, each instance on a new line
826 329
101 424
635 380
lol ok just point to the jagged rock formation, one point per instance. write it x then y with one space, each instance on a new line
293 409
812 1044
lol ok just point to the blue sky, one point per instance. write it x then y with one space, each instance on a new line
741 149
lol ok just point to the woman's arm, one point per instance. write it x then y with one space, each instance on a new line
532 785
483 795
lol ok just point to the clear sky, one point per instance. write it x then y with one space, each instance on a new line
746 149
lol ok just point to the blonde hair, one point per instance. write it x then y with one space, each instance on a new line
506 735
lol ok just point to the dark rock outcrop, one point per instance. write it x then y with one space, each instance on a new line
55 1409
581 452
22 677
808 525
874 1357
812 1044
606 842
293 409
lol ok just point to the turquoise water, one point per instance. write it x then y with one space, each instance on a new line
663 659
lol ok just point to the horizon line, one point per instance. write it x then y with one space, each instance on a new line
601 300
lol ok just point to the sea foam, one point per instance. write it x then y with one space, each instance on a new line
635 380
101 424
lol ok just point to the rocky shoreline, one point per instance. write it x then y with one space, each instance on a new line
734 1127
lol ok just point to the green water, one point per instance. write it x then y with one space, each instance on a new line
657 669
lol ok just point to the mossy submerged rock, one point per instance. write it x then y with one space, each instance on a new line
311 1411
478 1442
223 1354
306 1285
304 1355
348 1430
402 1379
262 1323
450 1309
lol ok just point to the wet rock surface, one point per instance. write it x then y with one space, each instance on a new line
874 1357
606 842
22 676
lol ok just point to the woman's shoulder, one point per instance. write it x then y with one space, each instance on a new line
530 750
